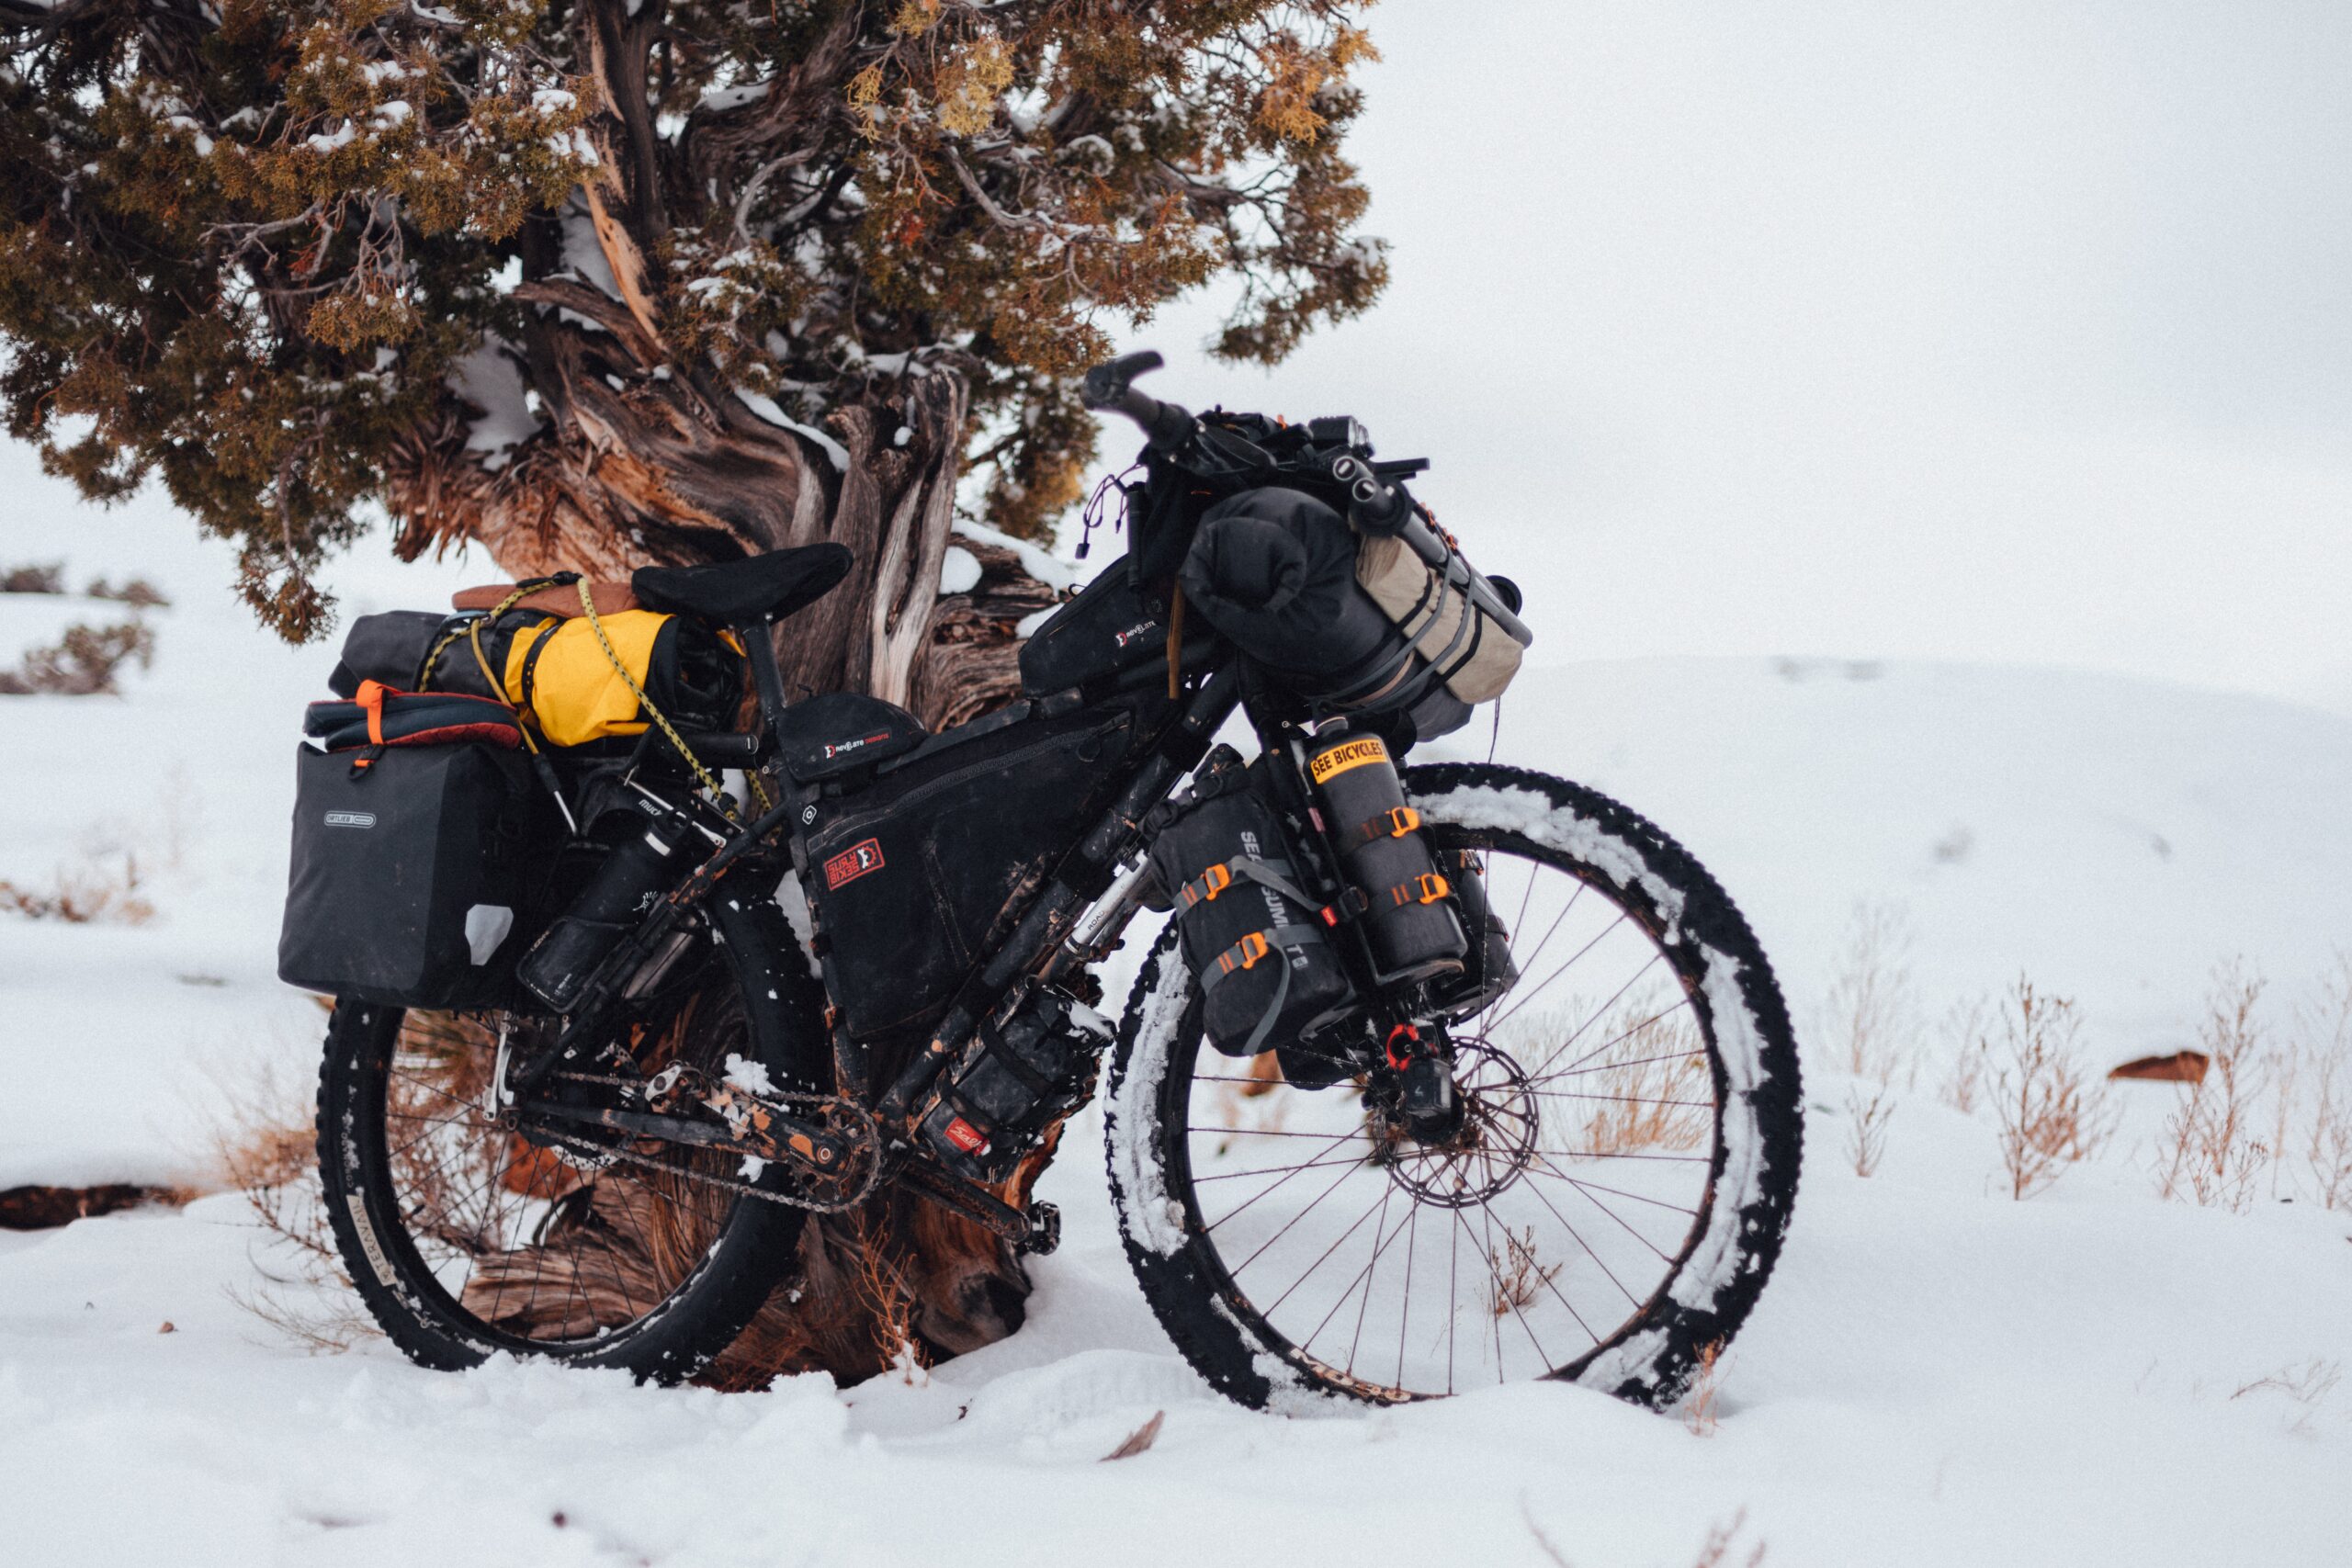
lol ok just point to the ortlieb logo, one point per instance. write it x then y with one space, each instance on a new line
854 863
1351 754
351 819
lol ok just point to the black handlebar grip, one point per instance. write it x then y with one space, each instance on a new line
1109 389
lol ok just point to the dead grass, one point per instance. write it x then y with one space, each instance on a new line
33 578
2306 1387
1643 1071
1516 1279
1701 1401
139 593
1963 1031
2322 1145
266 1151
2209 1152
2053 1112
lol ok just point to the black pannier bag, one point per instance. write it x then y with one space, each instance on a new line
915 874
410 875
1487 968
1254 939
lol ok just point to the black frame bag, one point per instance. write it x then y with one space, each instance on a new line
409 881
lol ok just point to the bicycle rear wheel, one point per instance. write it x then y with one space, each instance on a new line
465 1237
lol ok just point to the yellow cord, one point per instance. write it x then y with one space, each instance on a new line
588 608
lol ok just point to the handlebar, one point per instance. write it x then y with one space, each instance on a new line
1109 389
1374 506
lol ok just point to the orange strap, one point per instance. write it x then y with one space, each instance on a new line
370 697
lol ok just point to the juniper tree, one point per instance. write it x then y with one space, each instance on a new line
596 283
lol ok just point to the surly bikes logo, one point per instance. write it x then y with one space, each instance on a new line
852 862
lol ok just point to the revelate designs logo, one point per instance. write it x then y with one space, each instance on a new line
854 863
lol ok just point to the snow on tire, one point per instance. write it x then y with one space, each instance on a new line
1611 1208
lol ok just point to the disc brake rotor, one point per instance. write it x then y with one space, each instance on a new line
1495 1144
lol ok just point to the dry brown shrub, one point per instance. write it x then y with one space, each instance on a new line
2306 1387
33 578
2052 1111
1715 1550
1641 1072
82 663
105 891
139 593
2323 1145
1871 1017
1866 1129
2209 1153
266 1150
1965 1034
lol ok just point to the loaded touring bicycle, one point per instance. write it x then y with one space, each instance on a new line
1437 1076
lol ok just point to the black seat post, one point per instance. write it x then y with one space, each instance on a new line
767 680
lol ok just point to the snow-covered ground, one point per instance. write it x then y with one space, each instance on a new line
1937 1374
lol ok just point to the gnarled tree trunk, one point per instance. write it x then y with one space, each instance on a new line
643 463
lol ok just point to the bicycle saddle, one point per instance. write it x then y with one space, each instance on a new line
742 592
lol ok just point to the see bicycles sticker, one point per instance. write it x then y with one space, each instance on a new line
1353 755
854 863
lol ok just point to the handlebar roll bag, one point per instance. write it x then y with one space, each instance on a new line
1277 571
1254 938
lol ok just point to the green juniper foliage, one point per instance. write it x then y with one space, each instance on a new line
252 247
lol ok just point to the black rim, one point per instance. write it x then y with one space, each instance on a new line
1540 1236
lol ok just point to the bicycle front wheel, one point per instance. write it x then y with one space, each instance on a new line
1611 1205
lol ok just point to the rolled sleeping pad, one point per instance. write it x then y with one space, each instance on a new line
1275 572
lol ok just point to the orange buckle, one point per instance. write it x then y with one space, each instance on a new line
1207 886
1393 823
1425 888
1251 947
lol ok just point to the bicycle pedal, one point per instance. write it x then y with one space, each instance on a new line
1044 1231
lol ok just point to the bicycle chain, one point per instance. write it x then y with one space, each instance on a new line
865 1138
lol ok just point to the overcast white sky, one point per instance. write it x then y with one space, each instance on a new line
1970 328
